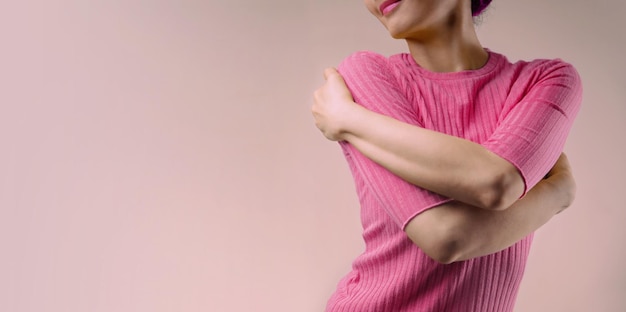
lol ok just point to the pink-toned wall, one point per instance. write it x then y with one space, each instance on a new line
160 155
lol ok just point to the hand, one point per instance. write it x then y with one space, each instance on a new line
561 176
331 105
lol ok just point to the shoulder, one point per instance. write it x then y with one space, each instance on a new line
551 81
374 82
364 66
552 71
369 70
554 76
366 60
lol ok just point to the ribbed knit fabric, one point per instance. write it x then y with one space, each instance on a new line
522 112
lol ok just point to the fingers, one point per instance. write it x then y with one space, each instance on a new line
563 162
329 72
561 166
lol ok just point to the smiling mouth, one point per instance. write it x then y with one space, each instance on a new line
388 6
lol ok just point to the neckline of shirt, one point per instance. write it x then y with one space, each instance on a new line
492 62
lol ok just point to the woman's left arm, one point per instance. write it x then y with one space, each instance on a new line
441 163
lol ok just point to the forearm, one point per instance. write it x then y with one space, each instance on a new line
468 232
441 163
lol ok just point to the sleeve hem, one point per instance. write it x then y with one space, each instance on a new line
433 205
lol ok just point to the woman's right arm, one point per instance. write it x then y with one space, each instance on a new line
444 164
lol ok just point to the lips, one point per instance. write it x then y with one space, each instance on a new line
388 6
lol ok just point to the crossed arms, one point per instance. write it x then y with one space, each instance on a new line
481 212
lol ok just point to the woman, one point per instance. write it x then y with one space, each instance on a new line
456 157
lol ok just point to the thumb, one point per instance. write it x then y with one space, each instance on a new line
329 72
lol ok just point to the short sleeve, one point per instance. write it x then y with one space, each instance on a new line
372 82
532 133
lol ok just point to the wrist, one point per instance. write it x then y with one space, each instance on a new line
348 126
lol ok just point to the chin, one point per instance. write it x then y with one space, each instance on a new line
398 30
396 34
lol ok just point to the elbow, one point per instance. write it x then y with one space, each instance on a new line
494 199
445 252
501 189
442 244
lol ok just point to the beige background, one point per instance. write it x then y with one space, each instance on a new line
160 155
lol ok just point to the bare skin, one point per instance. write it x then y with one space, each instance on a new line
487 215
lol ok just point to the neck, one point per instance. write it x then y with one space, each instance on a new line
451 48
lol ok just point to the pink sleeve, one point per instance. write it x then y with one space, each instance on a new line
368 77
533 131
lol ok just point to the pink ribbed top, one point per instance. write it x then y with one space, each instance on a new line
521 111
